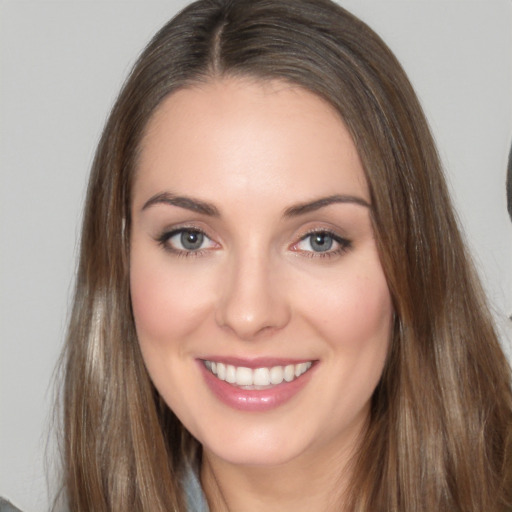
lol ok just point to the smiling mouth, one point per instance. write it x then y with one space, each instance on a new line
257 378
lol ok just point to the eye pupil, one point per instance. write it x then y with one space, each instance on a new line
191 240
321 242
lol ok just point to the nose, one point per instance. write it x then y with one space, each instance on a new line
252 298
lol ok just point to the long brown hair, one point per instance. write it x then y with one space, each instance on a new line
440 432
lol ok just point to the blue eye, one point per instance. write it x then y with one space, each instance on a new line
185 240
322 243
190 240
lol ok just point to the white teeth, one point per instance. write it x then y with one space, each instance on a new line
276 375
261 377
300 369
244 376
289 372
230 374
258 377
221 371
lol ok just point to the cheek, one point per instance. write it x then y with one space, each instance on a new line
354 317
167 304
354 310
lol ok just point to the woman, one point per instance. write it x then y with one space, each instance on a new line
272 289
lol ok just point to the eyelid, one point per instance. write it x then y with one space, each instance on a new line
343 244
167 234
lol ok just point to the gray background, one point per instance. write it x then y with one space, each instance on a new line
61 65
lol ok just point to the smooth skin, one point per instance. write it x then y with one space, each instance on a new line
239 268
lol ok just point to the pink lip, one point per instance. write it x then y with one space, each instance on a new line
252 399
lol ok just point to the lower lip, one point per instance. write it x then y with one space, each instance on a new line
257 400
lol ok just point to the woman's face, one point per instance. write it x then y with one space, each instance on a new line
260 303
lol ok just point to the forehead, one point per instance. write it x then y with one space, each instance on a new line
248 136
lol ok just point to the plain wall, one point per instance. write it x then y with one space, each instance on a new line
61 66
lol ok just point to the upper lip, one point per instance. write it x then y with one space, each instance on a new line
257 362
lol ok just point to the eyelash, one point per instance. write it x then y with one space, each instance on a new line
344 244
164 238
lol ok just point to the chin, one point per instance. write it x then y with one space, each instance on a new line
257 446
255 455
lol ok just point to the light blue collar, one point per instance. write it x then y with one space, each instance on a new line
196 500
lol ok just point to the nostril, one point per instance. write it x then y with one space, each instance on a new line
252 319
251 302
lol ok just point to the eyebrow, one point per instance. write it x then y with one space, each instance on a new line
198 206
188 203
311 206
